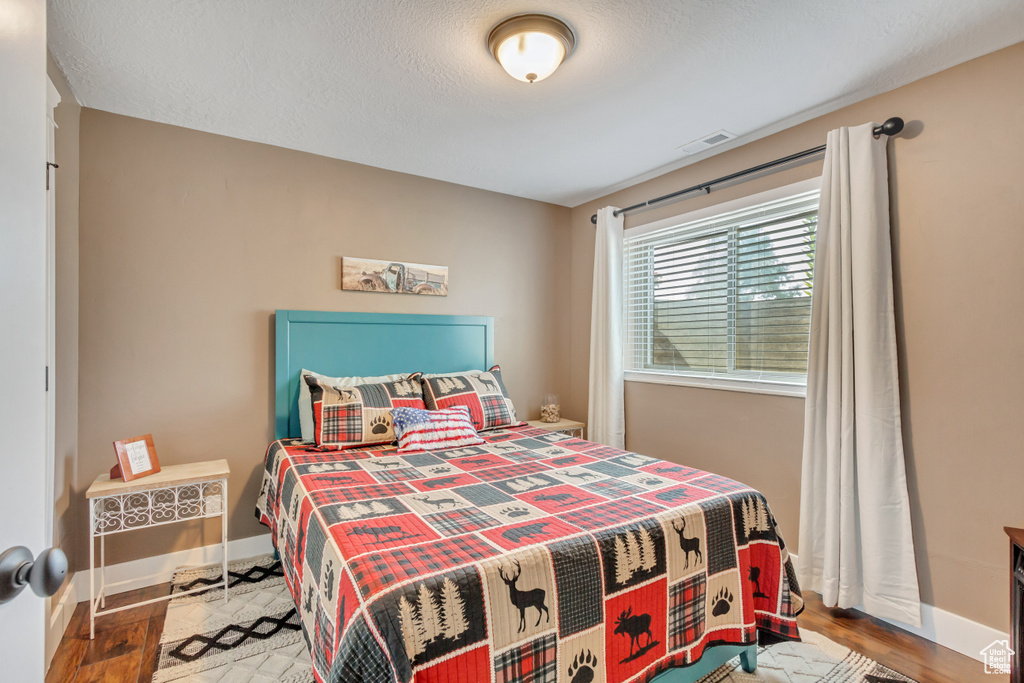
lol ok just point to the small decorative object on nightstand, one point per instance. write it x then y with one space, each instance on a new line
177 493
550 411
563 425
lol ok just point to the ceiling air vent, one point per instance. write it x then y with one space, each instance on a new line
707 142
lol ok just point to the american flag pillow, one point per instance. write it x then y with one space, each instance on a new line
428 430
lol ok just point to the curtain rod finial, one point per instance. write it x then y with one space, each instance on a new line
891 126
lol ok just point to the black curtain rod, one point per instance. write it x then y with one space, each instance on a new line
892 126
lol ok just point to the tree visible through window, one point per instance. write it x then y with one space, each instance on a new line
724 296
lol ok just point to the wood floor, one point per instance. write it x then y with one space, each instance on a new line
912 656
127 644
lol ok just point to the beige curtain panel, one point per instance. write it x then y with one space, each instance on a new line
856 545
606 416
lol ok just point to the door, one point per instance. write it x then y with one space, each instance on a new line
23 315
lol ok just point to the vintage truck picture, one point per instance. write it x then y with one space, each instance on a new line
372 275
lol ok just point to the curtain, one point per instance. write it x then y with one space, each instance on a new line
856 545
606 416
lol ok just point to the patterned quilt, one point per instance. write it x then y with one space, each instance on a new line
533 558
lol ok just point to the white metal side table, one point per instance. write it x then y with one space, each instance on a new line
177 493
563 426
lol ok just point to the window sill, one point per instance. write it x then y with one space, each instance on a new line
721 383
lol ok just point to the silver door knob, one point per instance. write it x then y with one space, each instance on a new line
45 574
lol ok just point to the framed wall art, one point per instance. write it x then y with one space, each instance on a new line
394 277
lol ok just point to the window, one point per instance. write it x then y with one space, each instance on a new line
723 297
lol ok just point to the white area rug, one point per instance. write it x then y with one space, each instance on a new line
815 659
256 636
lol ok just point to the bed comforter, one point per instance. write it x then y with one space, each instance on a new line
532 558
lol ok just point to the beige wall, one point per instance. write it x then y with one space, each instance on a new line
958 239
65 376
189 241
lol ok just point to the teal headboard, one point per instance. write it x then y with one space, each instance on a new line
365 344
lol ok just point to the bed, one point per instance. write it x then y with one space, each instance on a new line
532 557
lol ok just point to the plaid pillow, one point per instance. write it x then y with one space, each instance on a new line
306 403
482 392
360 415
426 430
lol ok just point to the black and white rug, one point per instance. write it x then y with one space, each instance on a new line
256 637
814 659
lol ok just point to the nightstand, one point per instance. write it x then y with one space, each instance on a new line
177 493
565 426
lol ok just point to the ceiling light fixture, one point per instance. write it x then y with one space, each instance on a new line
531 46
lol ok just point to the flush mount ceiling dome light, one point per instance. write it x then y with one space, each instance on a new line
531 46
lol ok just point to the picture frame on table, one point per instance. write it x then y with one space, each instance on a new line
136 458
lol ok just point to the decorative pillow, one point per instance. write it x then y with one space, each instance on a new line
306 404
429 375
430 430
482 392
344 417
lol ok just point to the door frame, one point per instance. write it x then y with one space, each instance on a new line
52 100
55 621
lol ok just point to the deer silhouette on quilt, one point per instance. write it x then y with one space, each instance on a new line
688 545
439 503
523 599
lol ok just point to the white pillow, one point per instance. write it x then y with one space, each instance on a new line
428 375
306 402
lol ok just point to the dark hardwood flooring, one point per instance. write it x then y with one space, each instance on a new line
893 647
127 644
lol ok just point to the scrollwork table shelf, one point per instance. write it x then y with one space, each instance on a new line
177 493
564 426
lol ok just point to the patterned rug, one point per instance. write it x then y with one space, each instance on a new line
816 658
256 637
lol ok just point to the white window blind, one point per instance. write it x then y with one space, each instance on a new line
728 296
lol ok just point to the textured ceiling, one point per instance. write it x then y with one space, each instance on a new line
409 85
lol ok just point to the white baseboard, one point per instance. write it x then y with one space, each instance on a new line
953 631
949 630
148 571
60 618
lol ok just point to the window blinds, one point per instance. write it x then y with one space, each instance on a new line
727 296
